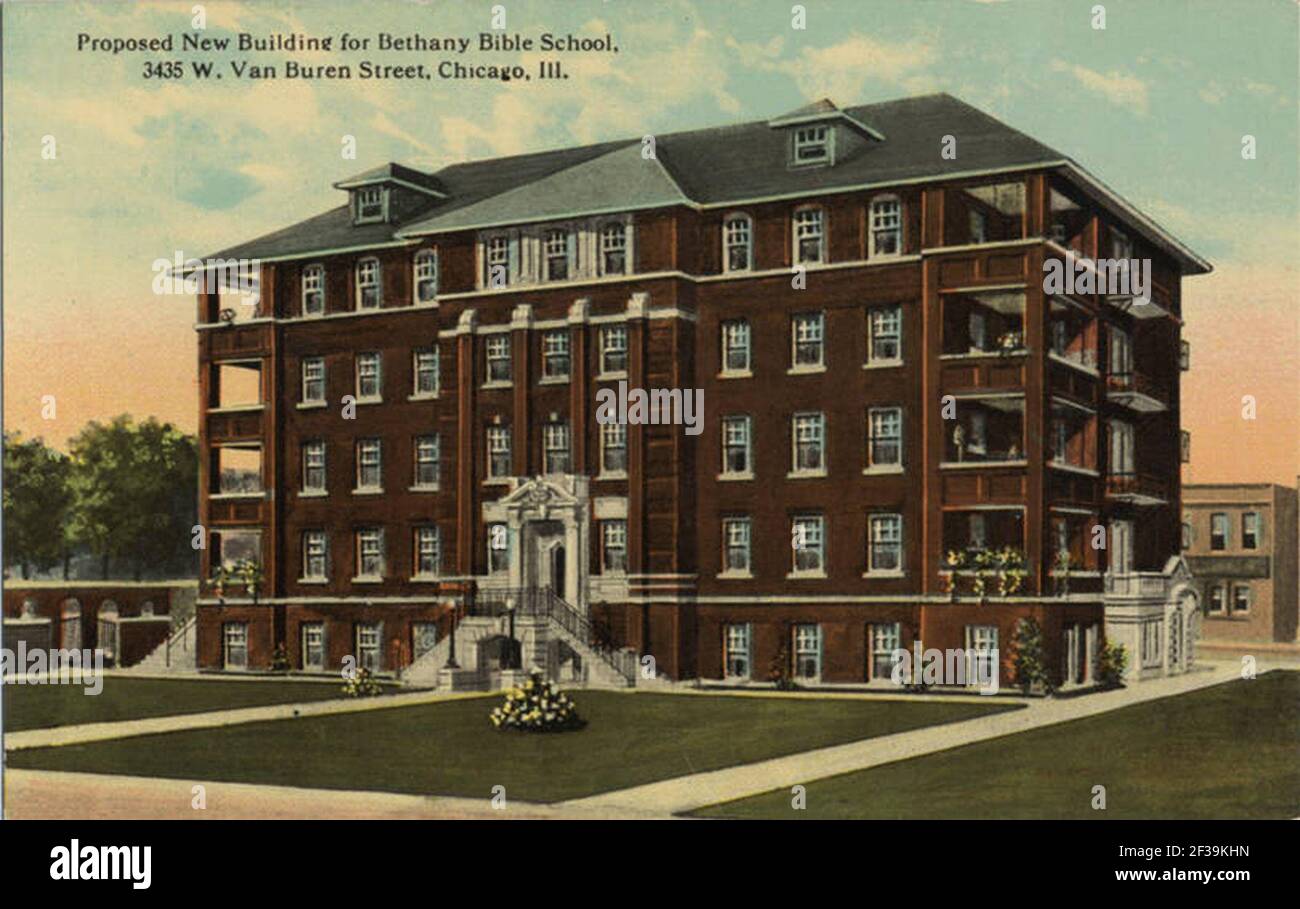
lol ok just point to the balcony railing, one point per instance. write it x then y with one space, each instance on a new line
1139 488
1137 390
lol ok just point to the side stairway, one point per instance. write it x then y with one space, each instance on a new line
176 654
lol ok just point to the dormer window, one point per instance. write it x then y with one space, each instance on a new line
426 276
812 145
369 203
368 292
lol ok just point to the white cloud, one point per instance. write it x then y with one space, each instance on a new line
1117 87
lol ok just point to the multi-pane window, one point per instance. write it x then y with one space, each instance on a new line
496 261
737 656
234 643
886 637
369 295
1218 598
313 645
498 358
735 544
368 377
498 451
555 354
498 545
1218 531
885 542
613 448
613 349
370 552
735 345
808 339
426 276
315 555
808 543
983 641
313 466
555 447
613 548
368 646
884 436
427 456
1240 598
428 551
555 252
370 468
885 334
1250 530
313 290
737 251
809 239
809 433
368 203
886 226
426 371
808 651
613 249
313 380
811 144
736 445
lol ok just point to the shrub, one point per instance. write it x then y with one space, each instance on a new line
1111 663
1028 663
280 659
362 685
537 706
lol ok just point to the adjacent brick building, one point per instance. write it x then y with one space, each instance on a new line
884 378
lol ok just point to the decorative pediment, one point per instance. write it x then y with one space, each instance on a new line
1176 570
540 494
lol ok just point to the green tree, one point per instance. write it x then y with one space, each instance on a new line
1029 662
136 492
37 502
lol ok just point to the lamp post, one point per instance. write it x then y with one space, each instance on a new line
512 661
451 656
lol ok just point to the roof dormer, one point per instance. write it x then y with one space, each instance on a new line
389 193
820 133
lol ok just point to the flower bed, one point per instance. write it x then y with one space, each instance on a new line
537 706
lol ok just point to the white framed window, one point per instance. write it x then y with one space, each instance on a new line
613 349
312 635
1218 599
886 637
369 203
428 458
736 657
313 466
735 545
313 380
426 276
428 552
370 467
737 450
234 645
885 543
498 546
807 340
496 262
737 243
498 358
498 451
369 377
613 448
1219 531
808 543
555 354
555 447
613 249
425 368
315 555
812 144
809 236
885 335
884 437
735 346
556 252
808 652
313 290
369 292
370 552
886 227
1250 525
808 435
1240 599
369 651
613 547
982 650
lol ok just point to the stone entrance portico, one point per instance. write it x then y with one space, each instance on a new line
548 526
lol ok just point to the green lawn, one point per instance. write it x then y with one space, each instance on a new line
44 706
1231 751
450 748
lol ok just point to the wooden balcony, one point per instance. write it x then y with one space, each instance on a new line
235 339
1137 391
1137 488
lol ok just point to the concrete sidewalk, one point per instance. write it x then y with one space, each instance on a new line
690 792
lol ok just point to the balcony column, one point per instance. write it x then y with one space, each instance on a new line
465 429
521 323
579 386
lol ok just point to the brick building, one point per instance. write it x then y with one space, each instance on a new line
1240 540
403 431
